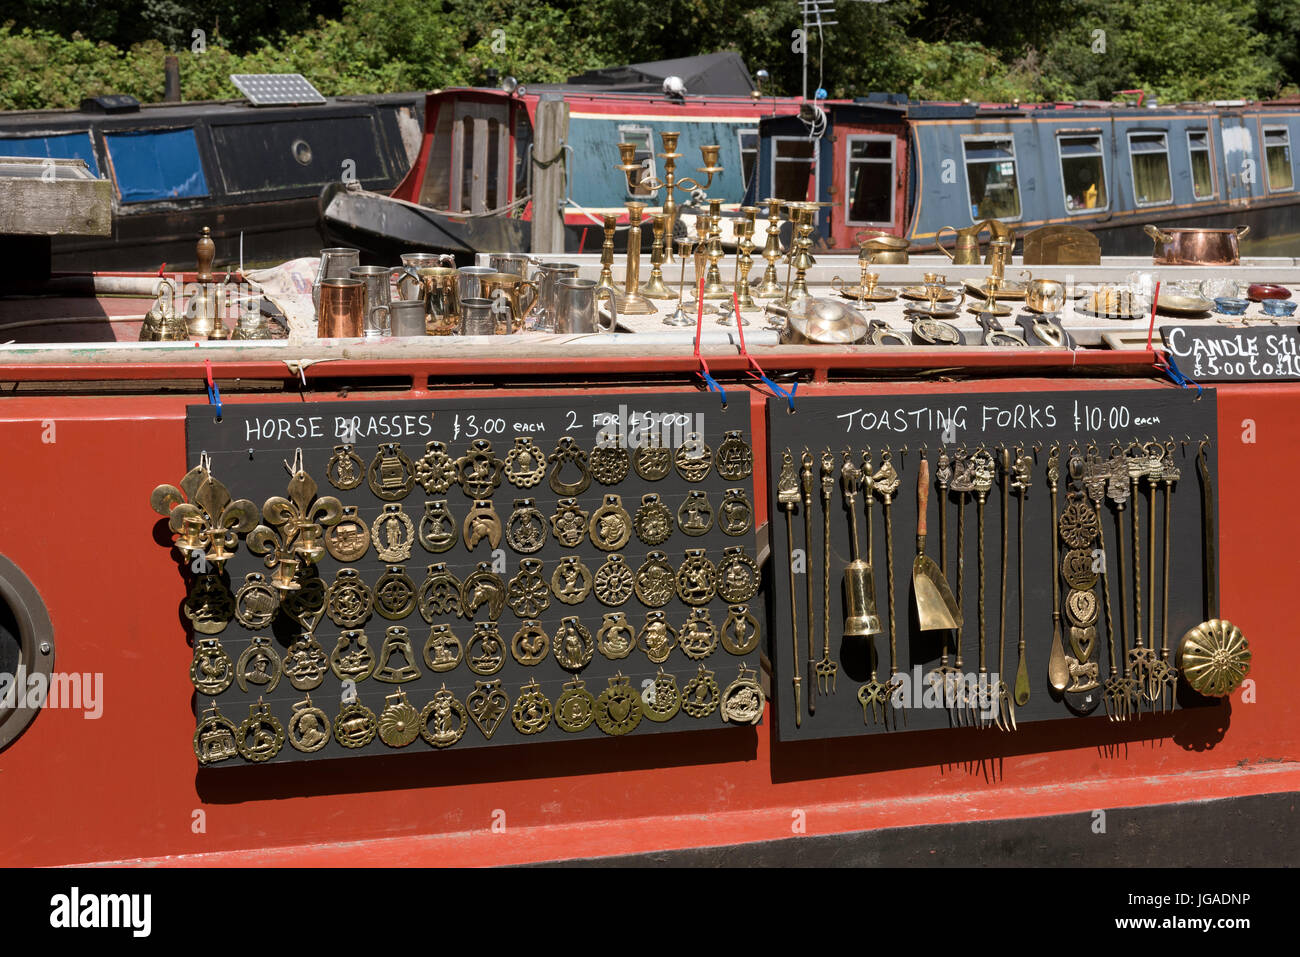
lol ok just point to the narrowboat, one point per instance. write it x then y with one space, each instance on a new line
246 171
882 163
471 188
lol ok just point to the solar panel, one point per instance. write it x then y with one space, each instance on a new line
276 89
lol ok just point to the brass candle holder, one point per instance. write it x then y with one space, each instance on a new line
654 287
714 287
606 280
770 287
800 259
745 258
631 302
681 316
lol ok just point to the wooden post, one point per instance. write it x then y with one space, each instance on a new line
549 182
172 82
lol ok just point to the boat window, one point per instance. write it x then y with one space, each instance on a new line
748 154
991 178
1083 171
156 164
641 138
465 202
523 140
794 162
54 146
1198 149
1277 152
1149 155
494 130
870 173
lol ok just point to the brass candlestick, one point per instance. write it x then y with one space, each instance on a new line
630 301
772 252
703 223
654 287
801 259
607 253
714 287
681 316
745 260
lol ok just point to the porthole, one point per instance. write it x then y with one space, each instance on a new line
26 648
301 152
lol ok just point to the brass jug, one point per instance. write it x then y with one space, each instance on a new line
966 245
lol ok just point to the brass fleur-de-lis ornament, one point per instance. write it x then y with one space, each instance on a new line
205 519
294 532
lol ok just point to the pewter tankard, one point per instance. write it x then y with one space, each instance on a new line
576 310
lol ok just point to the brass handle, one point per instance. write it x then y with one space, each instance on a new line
941 246
1242 231
1157 235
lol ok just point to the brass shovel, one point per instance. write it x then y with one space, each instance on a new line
936 608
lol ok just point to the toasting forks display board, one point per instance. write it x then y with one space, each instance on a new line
605 592
843 676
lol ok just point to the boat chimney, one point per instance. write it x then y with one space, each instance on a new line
172 83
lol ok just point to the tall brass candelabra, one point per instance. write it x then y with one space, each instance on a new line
670 183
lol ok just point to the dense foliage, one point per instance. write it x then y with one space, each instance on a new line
54 53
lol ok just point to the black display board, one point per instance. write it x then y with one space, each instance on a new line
250 446
951 420
1214 353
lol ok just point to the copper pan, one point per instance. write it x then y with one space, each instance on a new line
1196 247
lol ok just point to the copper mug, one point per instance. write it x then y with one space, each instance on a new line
341 314
334 264
504 291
